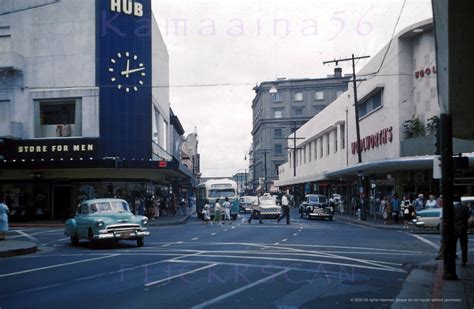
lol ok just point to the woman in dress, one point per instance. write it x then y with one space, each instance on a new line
3 219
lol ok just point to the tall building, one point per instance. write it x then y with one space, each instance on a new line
280 107
84 106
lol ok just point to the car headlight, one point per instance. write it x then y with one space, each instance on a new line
145 221
100 224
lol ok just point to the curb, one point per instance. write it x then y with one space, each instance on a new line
19 251
365 223
171 223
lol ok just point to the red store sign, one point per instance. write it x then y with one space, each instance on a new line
423 72
382 137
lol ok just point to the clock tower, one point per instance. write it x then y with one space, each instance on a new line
124 77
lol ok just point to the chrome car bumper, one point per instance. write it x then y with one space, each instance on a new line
121 235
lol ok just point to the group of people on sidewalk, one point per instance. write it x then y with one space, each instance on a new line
392 208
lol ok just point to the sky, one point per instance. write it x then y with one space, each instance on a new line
219 51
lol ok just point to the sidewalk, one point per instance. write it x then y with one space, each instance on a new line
16 247
424 287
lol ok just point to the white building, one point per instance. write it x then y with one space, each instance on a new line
400 89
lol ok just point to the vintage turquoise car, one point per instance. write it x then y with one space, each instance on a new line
106 219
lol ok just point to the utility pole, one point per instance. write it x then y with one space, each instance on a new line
359 148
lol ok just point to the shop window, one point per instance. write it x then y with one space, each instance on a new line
58 118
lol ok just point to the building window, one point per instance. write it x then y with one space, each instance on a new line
298 96
4 111
165 136
310 146
277 97
373 103
298 112
335 141
319 95
278 113
290 159
321 147
58 118
277 133
156 125
304 155
318 108
278 151
315 150
327 144
343 136
300 156
339 93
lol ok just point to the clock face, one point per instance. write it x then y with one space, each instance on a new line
127 72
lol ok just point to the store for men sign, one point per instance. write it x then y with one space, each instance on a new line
56 149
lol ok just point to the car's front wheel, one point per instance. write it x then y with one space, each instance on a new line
140 242
74 240
90 236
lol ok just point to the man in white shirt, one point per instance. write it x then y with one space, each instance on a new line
285 205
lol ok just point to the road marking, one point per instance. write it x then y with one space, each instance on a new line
180 275
213 234
283 240
57 265
167 245
195 238
233 227
52 242
295 234
277 243
26 235
426 241
225 230
231 293
367 266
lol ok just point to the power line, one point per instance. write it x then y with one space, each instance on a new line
29 8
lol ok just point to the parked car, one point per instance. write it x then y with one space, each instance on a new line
106 219
269 207
245 203
316 206
430 218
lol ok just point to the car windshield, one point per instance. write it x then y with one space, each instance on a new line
267 201
317 199
213 193
109 207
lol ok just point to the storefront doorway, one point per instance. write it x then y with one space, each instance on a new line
62 204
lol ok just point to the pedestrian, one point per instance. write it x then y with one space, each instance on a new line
255 211
461 217
285 205
387 211
227 206
156 207
206 212
407 209
395 207
141 207
419 202
3 219
217 212
431 202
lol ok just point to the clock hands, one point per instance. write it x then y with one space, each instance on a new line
127 72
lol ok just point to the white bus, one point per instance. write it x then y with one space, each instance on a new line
212 190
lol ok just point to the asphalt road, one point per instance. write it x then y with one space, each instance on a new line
306 264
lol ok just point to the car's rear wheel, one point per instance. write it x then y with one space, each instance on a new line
140 242
74 240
